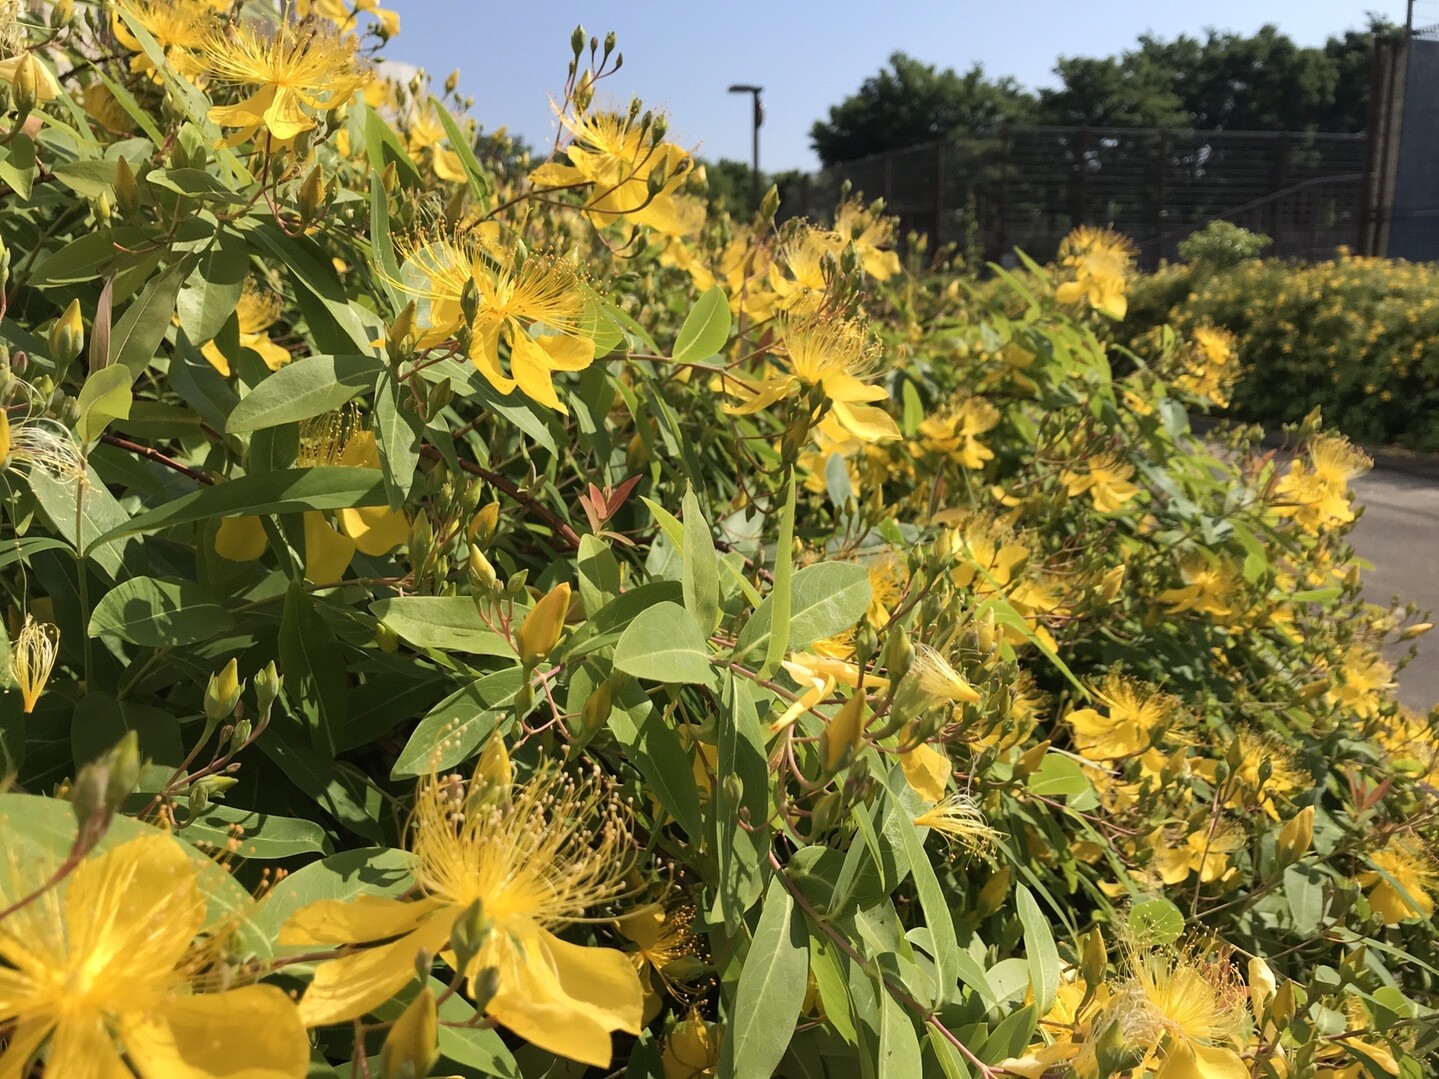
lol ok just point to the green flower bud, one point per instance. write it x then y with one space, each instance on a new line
67 335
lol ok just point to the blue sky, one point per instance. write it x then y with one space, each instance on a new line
681 55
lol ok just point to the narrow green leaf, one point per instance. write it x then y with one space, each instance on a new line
447 622
1039 949
705 329
780 596
899 1052
481 186
674 532
654 747
292 490
931 895
398 430
701 567
142 327
382 246
455 729
308 387
771 989
314 669
265 836
157 612
99 352
212 292
663 645
741 796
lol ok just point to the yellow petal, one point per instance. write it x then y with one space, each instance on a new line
275 356
866 422
354 921
25 1040
211 351
1184 1059
530 364
566 352
926 770
361 451
376 530
249 1033
565 998
81 1046
354 984
284 118
327 553
240 539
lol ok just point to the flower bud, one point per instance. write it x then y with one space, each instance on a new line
541 629
386 638
598 706
769 204
223 693
452 81
1262 986
312 195
240 735
25 87
267 687
103 208
843 735
1295 837
577 41
127 190
412 1045
482 574
469 934
992 895
481 528
1030 759
67 335
1418 629
400 339
1110 584
1093 958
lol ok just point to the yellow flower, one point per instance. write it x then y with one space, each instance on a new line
664 953
294 68
1318 497
425 132
1210 588
1205 851
179 27
833 357
1210 367
960 821
1407 884
1134 711
1365 684
620 159
955 432
1101 261
533 856
692 1048
1106 479
345 13
106 965
42 444
937 678
927 771
512 292
870 232
32 658
334 439
1187 1010
256 312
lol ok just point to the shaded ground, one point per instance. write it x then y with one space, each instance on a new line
1399 533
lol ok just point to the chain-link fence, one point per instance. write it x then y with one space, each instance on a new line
1027 187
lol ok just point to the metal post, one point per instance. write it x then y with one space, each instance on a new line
1409 20
758 119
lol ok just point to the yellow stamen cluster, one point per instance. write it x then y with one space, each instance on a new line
32 658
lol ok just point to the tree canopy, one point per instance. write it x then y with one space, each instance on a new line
1259 82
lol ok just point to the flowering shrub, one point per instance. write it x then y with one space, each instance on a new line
1354 337
477 616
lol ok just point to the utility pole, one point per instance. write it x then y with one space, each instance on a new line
755 91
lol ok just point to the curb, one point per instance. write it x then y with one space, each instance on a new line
1421 465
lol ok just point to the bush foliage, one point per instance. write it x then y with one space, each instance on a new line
1352 336
477 616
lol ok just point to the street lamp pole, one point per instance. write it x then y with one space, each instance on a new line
754 91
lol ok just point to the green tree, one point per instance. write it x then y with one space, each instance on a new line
911 102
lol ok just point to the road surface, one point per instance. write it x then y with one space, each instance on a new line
1399 533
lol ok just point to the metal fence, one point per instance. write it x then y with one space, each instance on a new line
1026 187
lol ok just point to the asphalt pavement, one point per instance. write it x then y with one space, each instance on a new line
1399 533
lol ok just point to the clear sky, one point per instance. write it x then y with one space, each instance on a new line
682 55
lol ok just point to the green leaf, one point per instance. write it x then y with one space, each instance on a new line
99 513
1058 776
308 387
1155 923
899 1052
780 596
944 944
316 775
137 336
826 598
599 574
398 431
105 396
212 292
312 270
1009 1038
17 164
1039 949
314 669
157 612
264 837
481 187
291 490
1304 895
705 329
454 729
771 990
447 622
662 644
701 567
654 748
742 795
